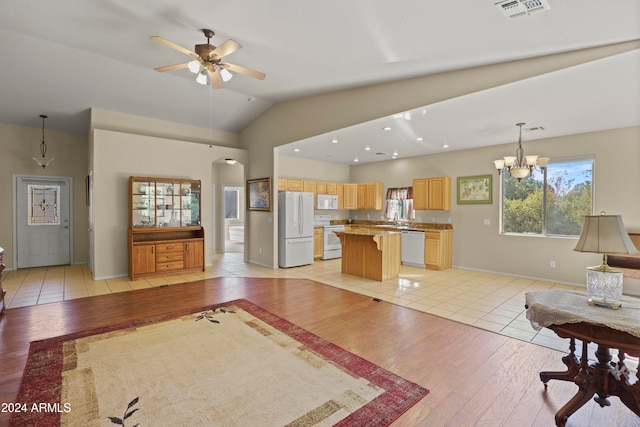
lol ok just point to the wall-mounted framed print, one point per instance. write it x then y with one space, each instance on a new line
259 194
475 190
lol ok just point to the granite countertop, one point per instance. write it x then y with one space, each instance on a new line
412 226
368 231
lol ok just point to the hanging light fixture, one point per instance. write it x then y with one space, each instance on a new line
43 148
520 166
202 78
225 74
194 66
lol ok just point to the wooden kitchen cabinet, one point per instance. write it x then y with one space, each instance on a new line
317 242
350 196
165 235
340 193
369 196
432 193
294 185
438 249
331 188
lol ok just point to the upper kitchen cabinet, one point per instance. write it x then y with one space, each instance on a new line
350 196
432 193
369 196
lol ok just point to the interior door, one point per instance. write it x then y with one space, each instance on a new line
43 211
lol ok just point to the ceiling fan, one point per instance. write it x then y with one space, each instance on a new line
208 61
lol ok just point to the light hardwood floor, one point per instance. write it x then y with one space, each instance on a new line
488 301
475 377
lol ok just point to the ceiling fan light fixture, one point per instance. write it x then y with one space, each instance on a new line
225 74
202 78
194 66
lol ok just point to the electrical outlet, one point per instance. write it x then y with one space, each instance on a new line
552 264
487 221
260 251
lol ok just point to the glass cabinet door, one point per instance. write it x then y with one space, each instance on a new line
167 204
143 203
190 203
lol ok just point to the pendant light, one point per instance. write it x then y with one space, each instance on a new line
520 166
43 148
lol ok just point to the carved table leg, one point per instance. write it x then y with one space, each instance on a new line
586 388
573 367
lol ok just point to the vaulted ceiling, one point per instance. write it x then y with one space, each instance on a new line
62 58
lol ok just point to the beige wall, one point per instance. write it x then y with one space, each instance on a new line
482 247
118 155
294 120
18 145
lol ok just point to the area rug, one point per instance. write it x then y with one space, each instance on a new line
234 364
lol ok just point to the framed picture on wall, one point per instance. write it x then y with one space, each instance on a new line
259 194
475 190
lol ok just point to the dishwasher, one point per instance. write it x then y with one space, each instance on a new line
413 248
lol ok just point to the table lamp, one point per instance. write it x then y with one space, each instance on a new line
604 234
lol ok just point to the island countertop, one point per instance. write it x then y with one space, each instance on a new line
365 231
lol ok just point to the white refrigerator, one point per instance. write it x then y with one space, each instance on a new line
295 228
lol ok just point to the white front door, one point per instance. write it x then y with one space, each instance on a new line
43 211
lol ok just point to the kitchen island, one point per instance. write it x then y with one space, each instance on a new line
372 254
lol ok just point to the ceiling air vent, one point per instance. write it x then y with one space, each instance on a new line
517 8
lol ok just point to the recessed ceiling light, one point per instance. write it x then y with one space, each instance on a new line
386 128
419 138
356 160
445 145
334 141
367 148
395 153
296 149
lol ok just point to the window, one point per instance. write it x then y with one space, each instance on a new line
43 202
553 203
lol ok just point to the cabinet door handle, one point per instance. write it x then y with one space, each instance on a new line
186 245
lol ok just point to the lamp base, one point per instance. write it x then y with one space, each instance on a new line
605 304
604 287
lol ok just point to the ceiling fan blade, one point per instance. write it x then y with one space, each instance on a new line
171 67
243 70
225 49
174 46
214 76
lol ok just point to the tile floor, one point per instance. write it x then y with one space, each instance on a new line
489 301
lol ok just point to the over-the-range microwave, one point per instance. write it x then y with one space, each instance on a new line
327 201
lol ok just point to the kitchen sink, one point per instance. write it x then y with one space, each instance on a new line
397 227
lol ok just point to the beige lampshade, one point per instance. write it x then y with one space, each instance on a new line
605 234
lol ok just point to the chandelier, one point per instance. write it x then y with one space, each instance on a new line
520 166
43 148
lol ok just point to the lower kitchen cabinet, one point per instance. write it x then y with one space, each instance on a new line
438 247
317 242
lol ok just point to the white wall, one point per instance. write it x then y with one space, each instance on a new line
118 155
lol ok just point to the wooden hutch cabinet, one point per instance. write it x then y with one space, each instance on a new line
165 233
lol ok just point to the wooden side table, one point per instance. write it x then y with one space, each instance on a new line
575 319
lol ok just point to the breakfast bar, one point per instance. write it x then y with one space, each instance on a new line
372 254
